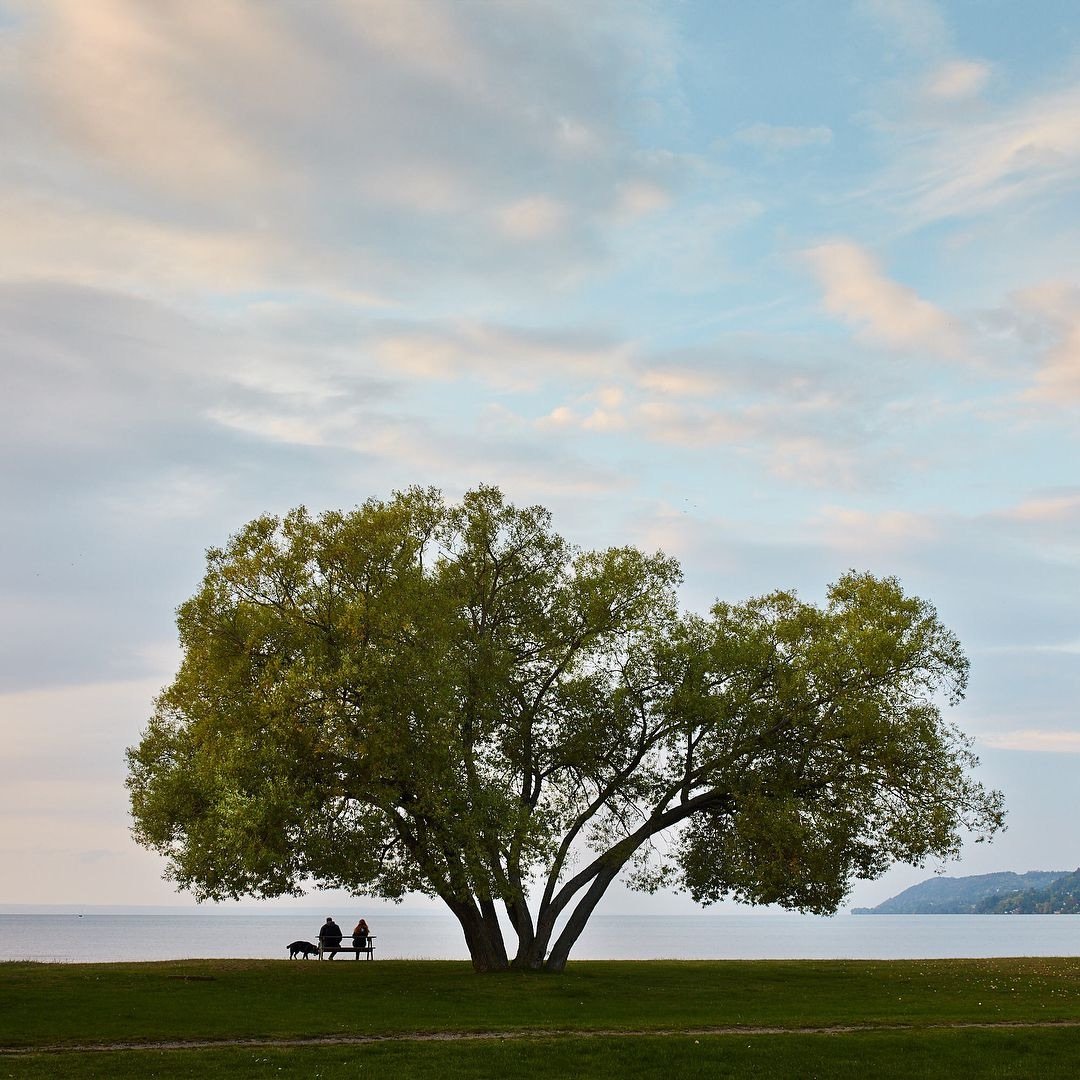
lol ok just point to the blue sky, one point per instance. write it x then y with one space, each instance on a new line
783 289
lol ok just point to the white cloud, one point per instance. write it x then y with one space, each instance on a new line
276 427
691 425
262 254
533 217
605 420
919 24
599 410
1048 519
802 423
957 155
610 397
777 138
68 240
676 381
89 723
503 356
1043 520
851 529
348 149
1057 508
957 80
116 75
562 416
1057 305
858 291
975 165
1069 648
814 461
422 36
575 136
1059 742
174 494
636 198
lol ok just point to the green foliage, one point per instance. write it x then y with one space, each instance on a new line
1059 897
452 699
972 895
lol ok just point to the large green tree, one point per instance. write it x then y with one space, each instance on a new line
450 699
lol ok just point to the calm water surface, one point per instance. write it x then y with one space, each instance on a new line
180 933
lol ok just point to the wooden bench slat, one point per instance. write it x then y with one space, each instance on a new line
369 949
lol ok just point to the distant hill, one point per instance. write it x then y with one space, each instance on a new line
974 895
1060 897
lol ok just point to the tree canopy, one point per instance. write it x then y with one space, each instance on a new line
417 696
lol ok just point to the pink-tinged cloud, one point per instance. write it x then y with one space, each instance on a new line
691 426
847 527
1057 307
117 78
500 356
919 24
984 161
810 460
957 80
778 139
1048 508
533 217
1060 742
638 198
857 291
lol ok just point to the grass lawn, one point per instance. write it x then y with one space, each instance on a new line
627 1019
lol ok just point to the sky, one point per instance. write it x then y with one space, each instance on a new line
783 289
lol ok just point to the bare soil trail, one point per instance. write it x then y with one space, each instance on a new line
531 1035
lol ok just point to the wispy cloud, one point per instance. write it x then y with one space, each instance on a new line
858 291
258 254
1057 306
801 423
975 164
503 356
533 217
957 80
777 138
851 528
919 24
1049 508
1058 742
117 76
353 147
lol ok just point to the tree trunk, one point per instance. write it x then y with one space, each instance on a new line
556 960
521 921
483 935
607 867
530 954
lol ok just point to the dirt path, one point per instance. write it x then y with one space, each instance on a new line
531 1034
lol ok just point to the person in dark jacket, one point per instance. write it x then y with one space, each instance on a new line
360 934
330 936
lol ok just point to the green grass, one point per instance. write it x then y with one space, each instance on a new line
900 1007
1017 1055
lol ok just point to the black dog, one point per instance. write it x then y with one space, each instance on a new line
304 947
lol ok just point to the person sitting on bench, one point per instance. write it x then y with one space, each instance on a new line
330 936
360 935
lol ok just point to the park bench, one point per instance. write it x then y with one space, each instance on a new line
331 950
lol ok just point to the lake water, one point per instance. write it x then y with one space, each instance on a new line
179 933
